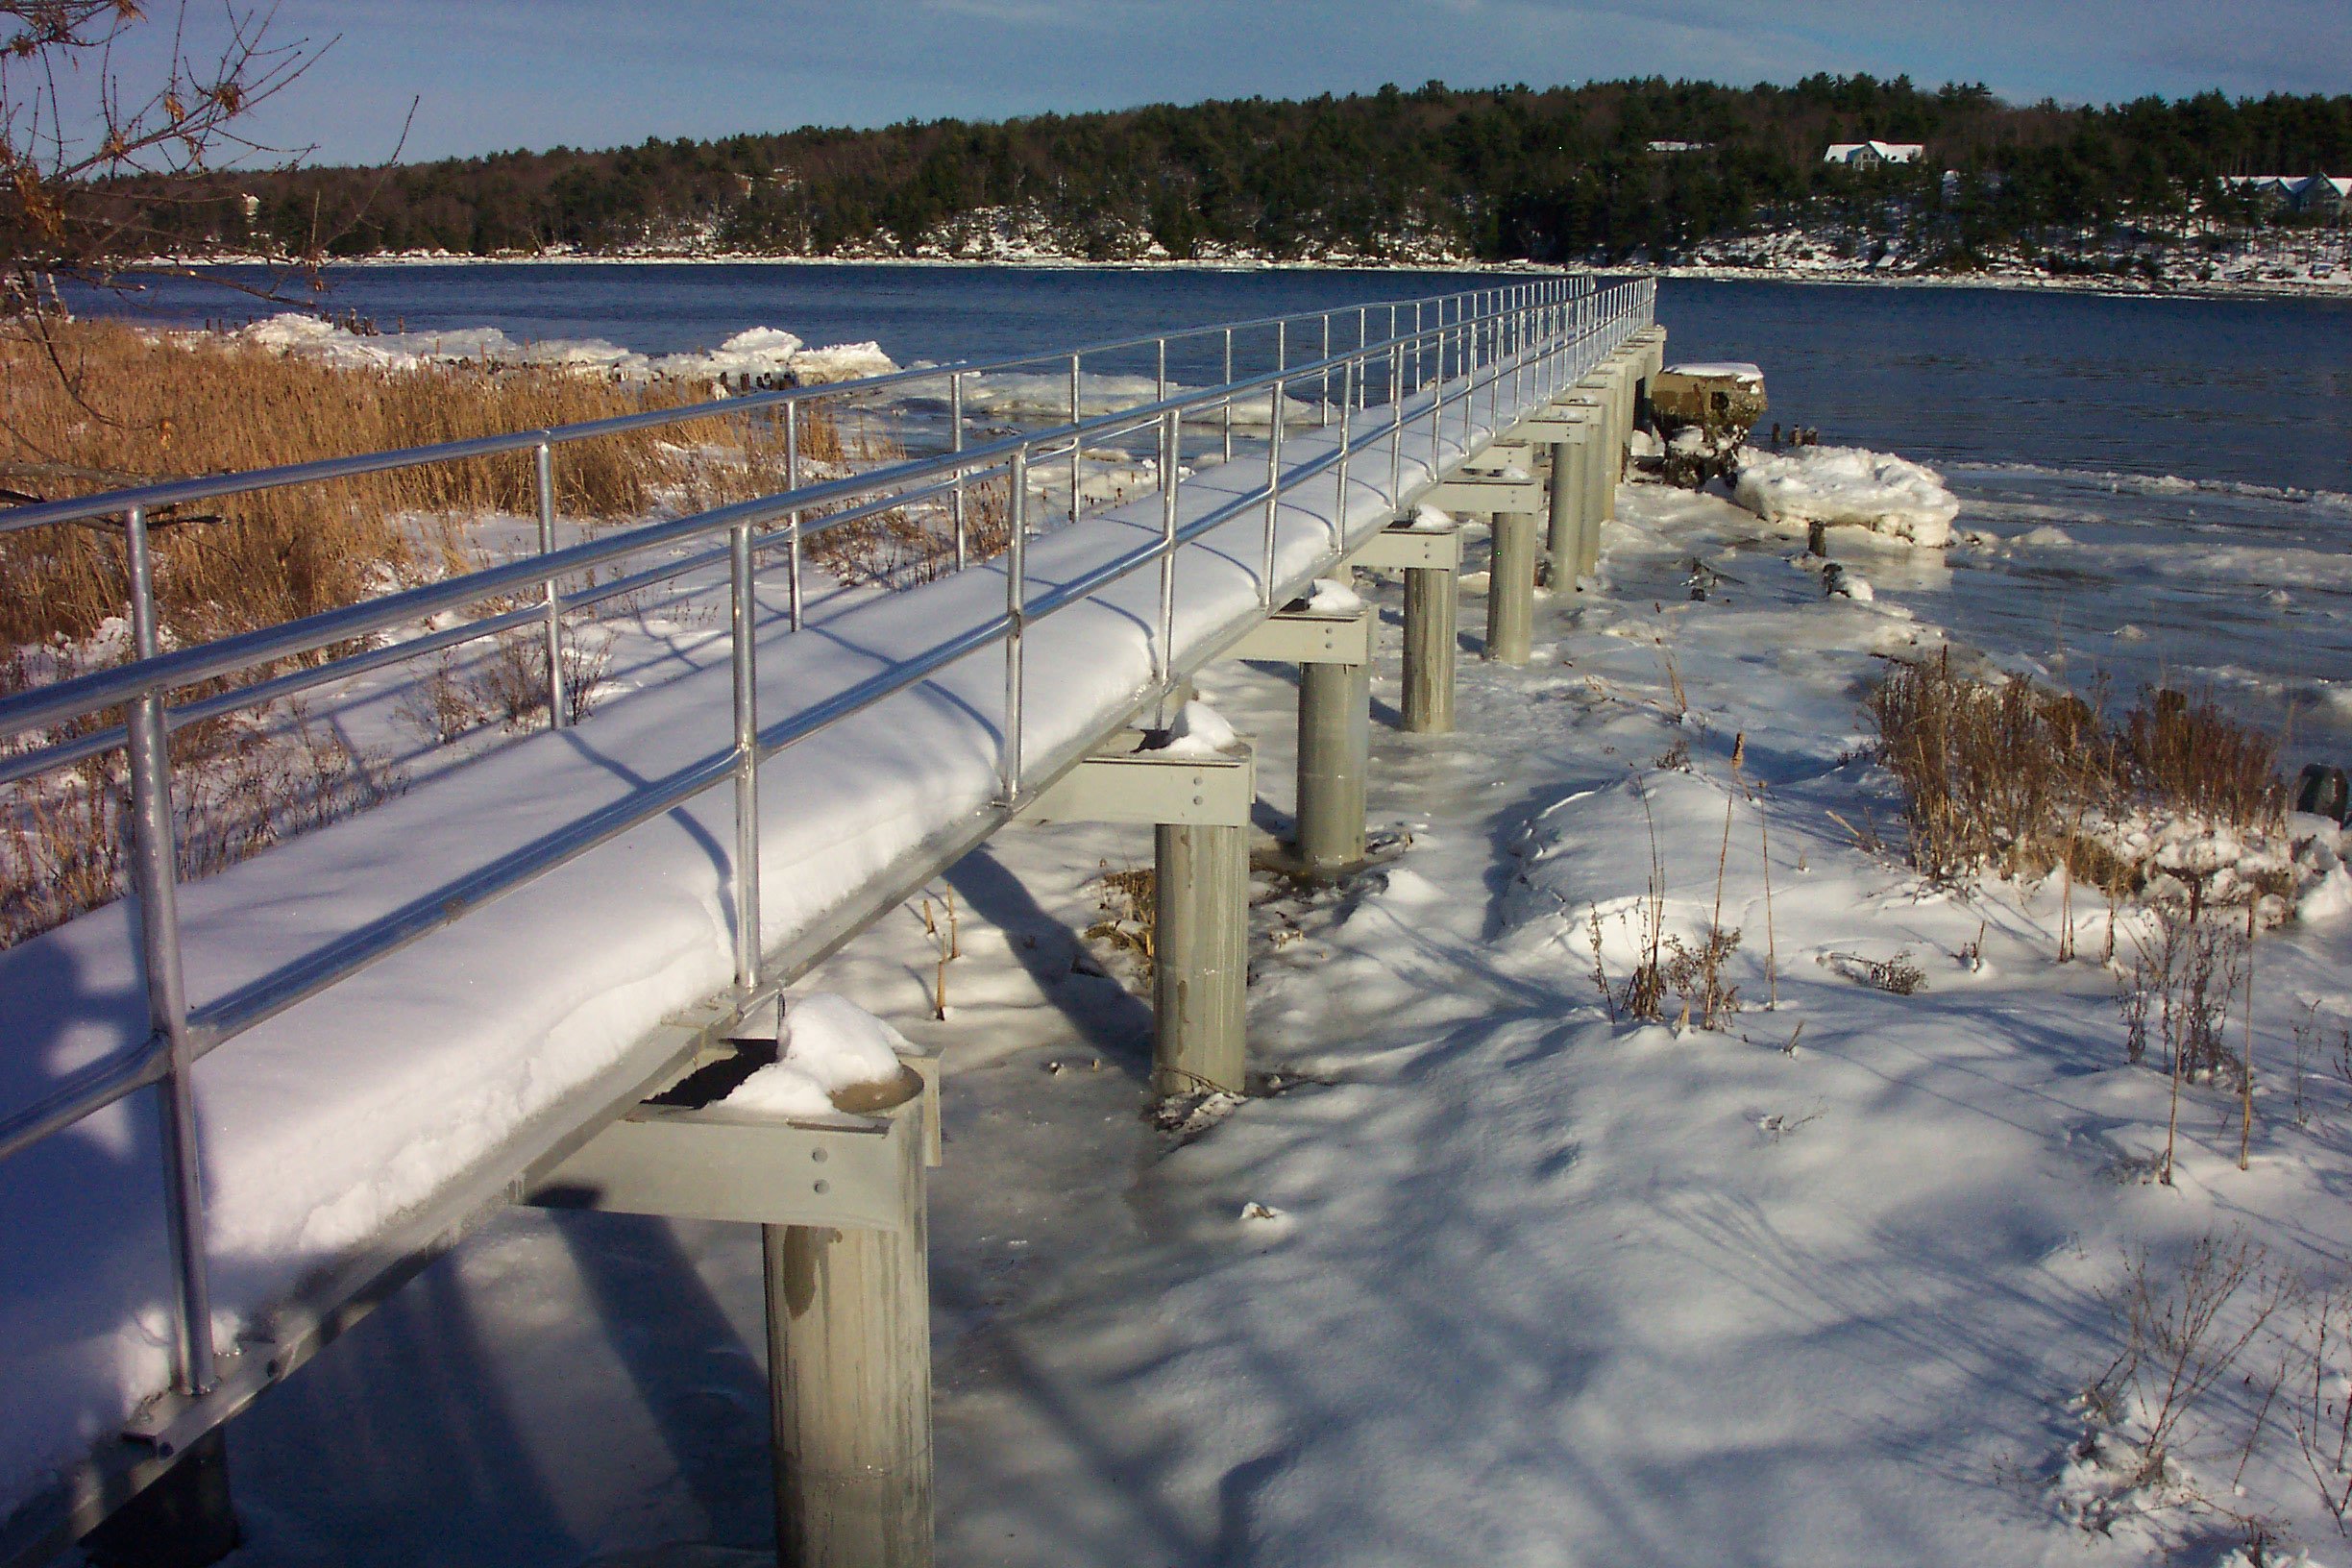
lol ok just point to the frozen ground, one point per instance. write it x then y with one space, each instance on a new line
1492 1277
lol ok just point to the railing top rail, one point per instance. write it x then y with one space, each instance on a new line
97 691
206 487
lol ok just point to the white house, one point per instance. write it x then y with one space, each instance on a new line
2299 193
1864 154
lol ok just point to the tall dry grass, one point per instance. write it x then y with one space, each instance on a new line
95 406
2004 776
86 406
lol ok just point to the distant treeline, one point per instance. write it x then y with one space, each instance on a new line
1504 174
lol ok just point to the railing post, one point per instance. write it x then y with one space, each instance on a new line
1274 446
1077 446
955 420
1396 420
155 876
1164 649
544 468
1008 749
1339 492
1229 375
1324 423
748 946
792 520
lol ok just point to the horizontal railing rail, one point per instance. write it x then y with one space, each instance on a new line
1540 336
155 497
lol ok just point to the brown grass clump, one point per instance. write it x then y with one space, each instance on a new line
97 405
1130 924
906 545
121 407
2001 775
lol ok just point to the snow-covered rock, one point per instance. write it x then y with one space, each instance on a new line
756 352
1848 486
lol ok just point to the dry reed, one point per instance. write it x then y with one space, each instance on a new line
86 406
123 408
2001 775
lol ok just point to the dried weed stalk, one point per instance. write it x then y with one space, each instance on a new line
2000 775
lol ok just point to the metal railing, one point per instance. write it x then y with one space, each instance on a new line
1440 359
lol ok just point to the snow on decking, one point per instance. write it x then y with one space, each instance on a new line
360 1106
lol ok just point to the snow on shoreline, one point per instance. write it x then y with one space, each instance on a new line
1854 276
756 354
1848 487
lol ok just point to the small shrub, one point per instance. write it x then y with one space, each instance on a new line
2178 994
1129 903
2181 1333
2319 1400
238 788
2008 777
1697 976
1896 976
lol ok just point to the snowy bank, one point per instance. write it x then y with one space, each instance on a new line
755 354
1847 487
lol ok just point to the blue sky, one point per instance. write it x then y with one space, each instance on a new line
496 74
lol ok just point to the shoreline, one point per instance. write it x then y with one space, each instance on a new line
2114 288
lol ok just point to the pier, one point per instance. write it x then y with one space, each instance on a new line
532 978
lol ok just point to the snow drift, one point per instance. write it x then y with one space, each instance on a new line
1848 486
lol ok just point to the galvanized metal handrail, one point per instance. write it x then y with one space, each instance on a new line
154 497
82 695
1529 330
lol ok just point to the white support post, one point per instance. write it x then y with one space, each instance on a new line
842 1202
1200 959
1511 589
1431 559
1199 810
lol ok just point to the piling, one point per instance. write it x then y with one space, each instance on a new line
1335 752
1200 958
182 1520
1560 532
1431 634
849 1382
1511 589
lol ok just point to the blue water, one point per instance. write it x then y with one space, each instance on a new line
2161 489
2250 391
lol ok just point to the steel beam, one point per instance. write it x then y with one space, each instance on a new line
1153 788
1469 492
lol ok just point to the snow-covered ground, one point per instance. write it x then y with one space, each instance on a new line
1486 1275
2308 263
